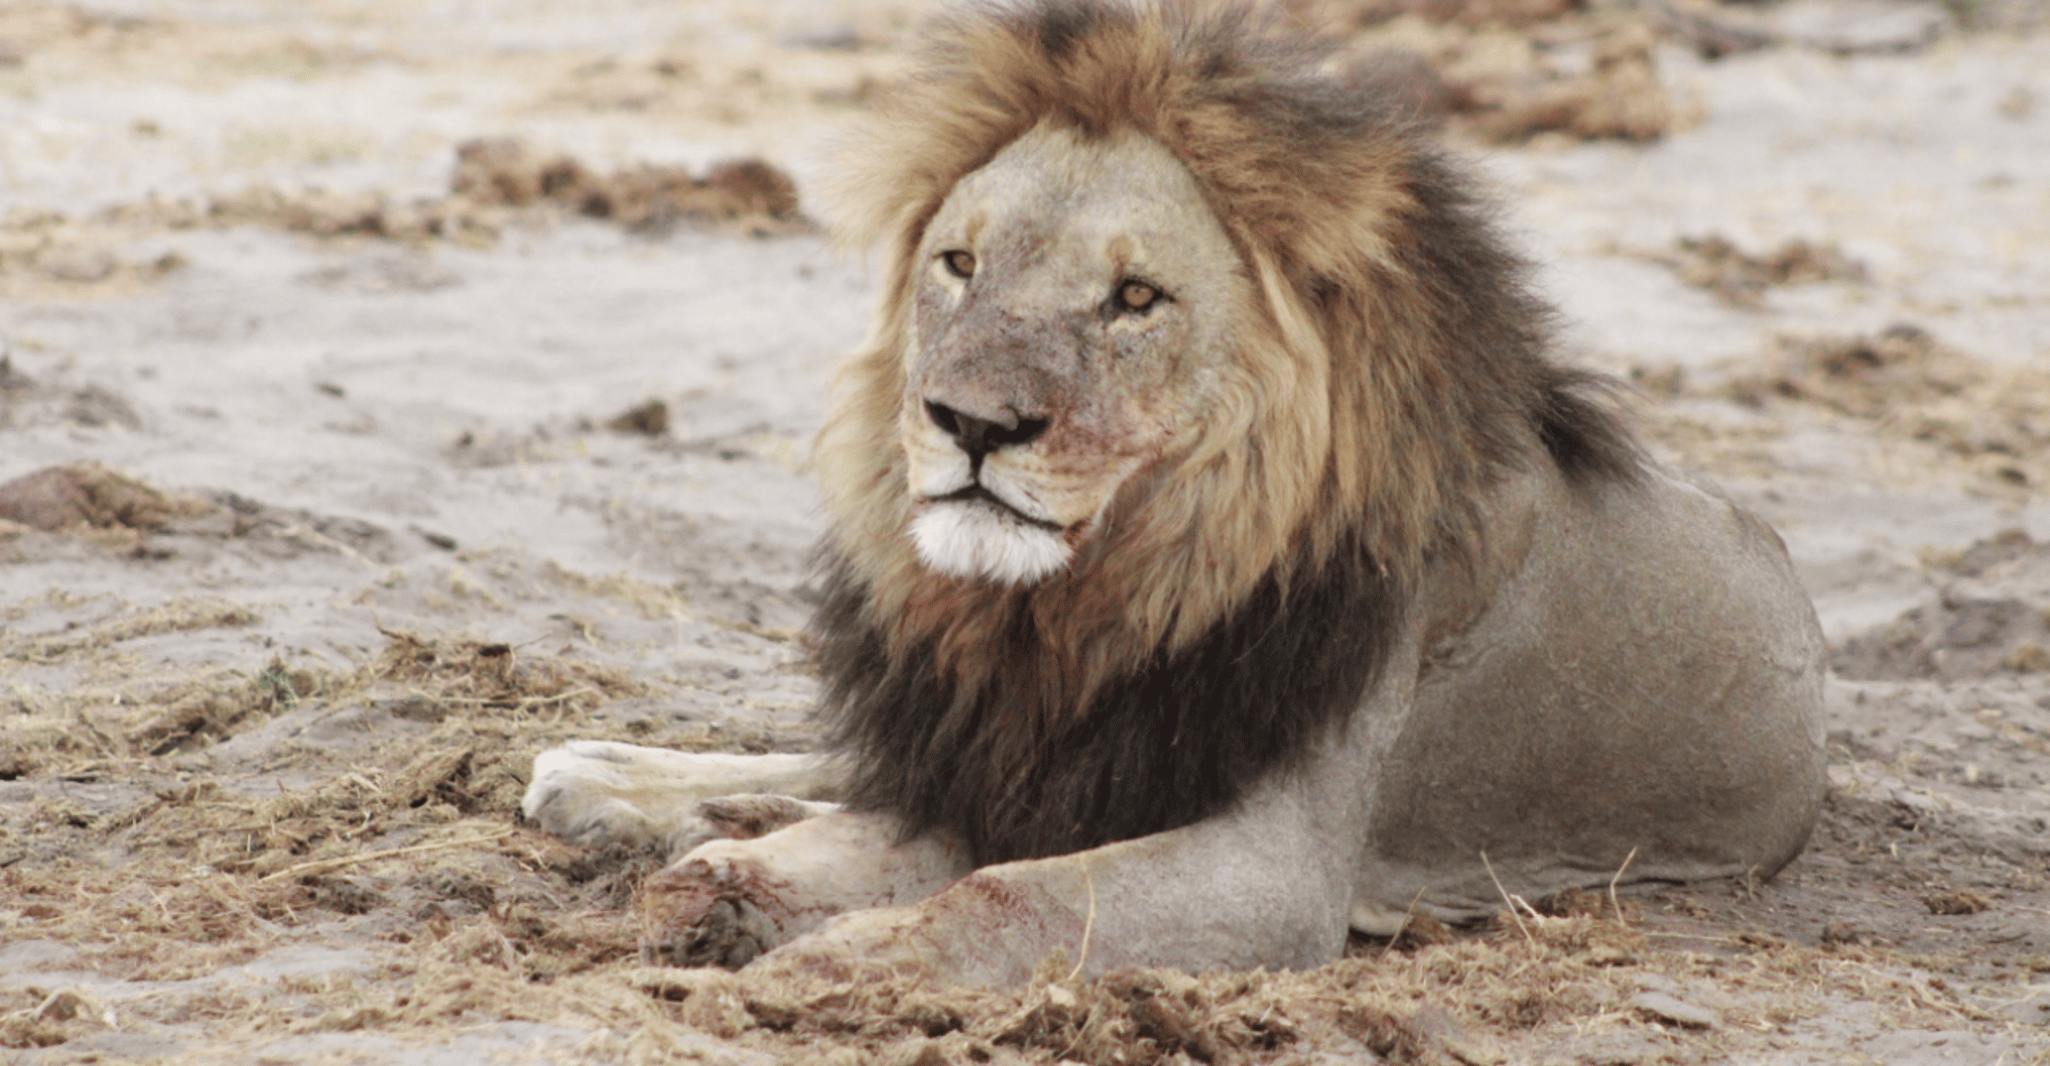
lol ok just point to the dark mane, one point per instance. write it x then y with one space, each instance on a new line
1012 773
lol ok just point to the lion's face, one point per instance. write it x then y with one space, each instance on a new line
1075 307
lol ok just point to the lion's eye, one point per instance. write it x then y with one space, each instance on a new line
1137 295
959 263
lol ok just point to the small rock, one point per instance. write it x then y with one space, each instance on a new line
650 418
1675 1011
79 265
74 1003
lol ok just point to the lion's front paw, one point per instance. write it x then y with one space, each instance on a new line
584 792
731 900
714 909
601 794
983 931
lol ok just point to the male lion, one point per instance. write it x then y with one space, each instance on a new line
1217 559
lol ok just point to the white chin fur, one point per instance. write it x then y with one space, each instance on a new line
976 540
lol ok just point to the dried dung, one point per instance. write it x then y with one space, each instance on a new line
649 419
89 495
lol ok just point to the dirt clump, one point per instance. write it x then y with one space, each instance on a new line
746 193
1954 902
1990 617
45 249
1505 995
120 513
1517 13
1914 388
35 1018
495 183
1740 279
1618 97
1862 376
1509 80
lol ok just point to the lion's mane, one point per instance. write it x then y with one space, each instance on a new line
1243 596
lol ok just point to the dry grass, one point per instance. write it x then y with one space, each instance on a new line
473 673
409 847
413 837
92 733
1491 999
179 615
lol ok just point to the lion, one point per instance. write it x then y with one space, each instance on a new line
1219 561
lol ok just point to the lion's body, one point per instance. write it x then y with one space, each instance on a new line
1216 552
1644 679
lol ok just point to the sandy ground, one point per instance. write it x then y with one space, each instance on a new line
349 525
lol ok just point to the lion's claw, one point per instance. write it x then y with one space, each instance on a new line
724 939
725 936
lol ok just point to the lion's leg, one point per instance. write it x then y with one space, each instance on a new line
599 793
1269 885
730 900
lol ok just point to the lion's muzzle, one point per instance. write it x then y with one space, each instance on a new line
978 436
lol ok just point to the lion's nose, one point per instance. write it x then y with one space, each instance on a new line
980 436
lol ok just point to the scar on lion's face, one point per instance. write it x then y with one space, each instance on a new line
1075 306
